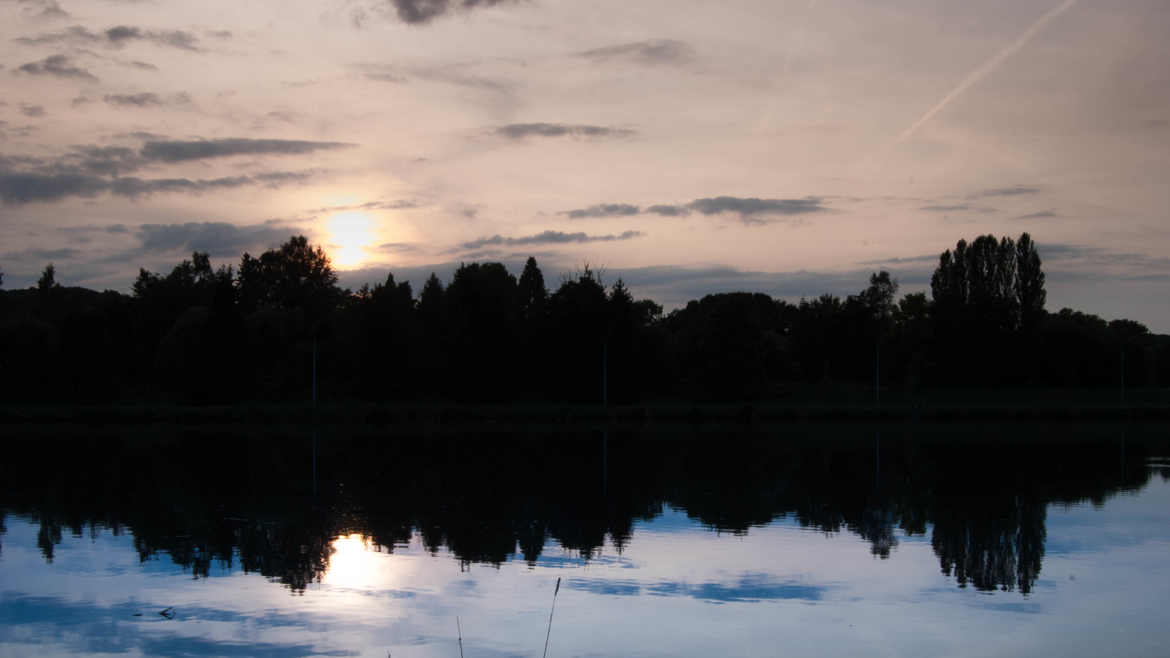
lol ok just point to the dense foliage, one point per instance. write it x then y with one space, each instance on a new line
214 335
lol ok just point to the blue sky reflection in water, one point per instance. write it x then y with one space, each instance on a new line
677 587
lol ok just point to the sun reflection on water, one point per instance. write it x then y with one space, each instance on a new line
353 563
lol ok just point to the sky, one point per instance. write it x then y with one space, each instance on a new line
783 146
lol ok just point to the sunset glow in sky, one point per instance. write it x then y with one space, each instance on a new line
788 147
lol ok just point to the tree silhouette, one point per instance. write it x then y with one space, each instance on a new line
294 275
198 333
1030 293
579 309
48 279
481 313
532 294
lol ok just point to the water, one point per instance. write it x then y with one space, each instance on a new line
836 542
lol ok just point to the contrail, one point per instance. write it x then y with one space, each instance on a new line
988 66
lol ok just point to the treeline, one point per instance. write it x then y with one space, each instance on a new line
201 334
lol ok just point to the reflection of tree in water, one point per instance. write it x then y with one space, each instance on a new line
489 500
992 544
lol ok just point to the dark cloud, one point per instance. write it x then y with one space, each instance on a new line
547 237
750 207
396 248
397 204
603 210
116 37
58 66
181 151
454 76
422 11
1043 214
32 110
100 160
85 171
925 258
41 255
522 130
275 179
143 99
216 238
450 74
751 210
656 51
957 207
1015 190
23 187
668 211
85 231
143 66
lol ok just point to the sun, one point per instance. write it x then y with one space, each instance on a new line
350 233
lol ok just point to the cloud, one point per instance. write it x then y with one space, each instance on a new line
32 110
655 51
58 66
397 204
99 160
219 239
748 207
451 74
547 237
1043 214
957 207
24 187
603 210
904 260
396 248
418 12
116 37
182 151
136 100
750 210
86 171
522 130
668 211
1015 190
47 9
41 255
21 188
